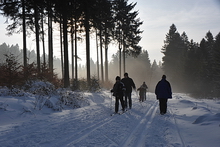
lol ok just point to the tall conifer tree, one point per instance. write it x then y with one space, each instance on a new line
174 52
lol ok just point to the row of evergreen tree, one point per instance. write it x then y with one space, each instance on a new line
111 21
192 67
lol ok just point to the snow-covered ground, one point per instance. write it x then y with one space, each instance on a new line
188 123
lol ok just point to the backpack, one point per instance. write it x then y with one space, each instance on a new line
118 89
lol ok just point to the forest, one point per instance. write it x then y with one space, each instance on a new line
191 67
144 66
111 21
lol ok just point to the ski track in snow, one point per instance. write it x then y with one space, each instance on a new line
141 126
79 136
135 137
73 137
177 128
138 132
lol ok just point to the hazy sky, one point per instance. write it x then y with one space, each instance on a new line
195 17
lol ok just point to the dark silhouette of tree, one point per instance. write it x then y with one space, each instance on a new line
192 67
210 60
49 9
24 34
37 33
216 65
108 31
127 29
63 9
174 51
11 10
9 71
104 25
205 55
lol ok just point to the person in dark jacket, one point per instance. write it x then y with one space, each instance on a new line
118 91
163 92
142 92
129 83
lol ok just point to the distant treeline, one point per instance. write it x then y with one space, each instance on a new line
139 68
32 58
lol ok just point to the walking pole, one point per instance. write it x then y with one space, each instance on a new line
111 102
146 95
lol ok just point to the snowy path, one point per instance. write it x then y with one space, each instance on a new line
142 126
136 138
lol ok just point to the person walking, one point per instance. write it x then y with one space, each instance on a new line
129 83
142 92
163 93
118 92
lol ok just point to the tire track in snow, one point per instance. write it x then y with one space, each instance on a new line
137 136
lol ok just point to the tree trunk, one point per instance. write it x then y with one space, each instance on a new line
106 64
119 59
50 41
43 40
97 47
76 56
24 35
87 30
101 56
72 47
36 19
66 60
106 56
61 48
124 57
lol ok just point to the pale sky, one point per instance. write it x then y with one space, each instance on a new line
195 17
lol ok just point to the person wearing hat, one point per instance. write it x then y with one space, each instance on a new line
118 92
163 93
